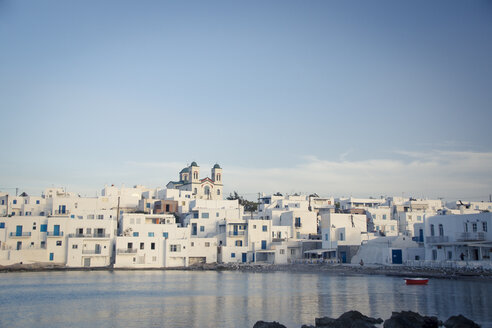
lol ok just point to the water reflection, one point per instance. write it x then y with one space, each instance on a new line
223 299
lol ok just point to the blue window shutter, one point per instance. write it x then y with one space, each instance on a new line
44 228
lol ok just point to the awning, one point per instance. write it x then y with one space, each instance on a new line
320 251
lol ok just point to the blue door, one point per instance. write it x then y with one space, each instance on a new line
245 257
263 244
56 230
18 230
62 209
343 256
235 230
193 229
52 256
396 256
421 235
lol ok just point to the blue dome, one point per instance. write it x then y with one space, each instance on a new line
216 166
194 163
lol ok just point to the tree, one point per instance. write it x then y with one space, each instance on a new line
249 206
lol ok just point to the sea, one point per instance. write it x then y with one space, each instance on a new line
157 298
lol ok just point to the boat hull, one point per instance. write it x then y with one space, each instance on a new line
416 281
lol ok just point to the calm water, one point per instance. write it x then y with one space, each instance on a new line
223 299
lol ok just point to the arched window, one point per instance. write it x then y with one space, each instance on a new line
195 175
218 191
441 230
218 177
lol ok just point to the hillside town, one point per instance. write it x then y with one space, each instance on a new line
191 221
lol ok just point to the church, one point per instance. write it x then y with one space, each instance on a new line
206 188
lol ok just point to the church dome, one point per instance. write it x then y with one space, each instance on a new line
194 163
216 166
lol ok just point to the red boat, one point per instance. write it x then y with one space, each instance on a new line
416 281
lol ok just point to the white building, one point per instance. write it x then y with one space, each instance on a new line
458 237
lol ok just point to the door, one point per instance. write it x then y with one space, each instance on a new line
18 230
245 257
193 229
343 256
19 245
98 249
56 230
235 230
62 209
396 256
52 256
421 235
87 262
263 244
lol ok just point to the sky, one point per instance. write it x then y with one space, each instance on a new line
341 98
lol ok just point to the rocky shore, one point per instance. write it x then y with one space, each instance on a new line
339 269
404 319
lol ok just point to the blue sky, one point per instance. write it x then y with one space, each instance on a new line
340 98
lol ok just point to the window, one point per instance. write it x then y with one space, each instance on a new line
52 256
204 215
342 237
474 227
434 254
58 243
37 202
432 230
15 201
75 246
465 227
450 255
192 244
175 248
441 230
135 234
2 225
218 191
484 226
254 226
233 255
292 252
43 228
151 234
130 245
147 205
282 251
298 222
165 235
89 231
195 215
239 243
217 214
377 228
419 218
265 228
375 217
326 236
154 258
72 216
142 245
202 228
384 216
100 217
34 226
152 245
91 217
207 244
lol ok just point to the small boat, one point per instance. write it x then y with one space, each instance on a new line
416 281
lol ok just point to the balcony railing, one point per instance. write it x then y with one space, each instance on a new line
470 236
88 235
54 234
436 239
20 234
66 212
236 233
126 251
91 251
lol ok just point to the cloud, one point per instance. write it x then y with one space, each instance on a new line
447 174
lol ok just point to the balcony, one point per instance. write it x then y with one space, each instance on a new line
436 239
54 234
61 213
126 251
470 236
20 234
88 235
91 252
236 233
